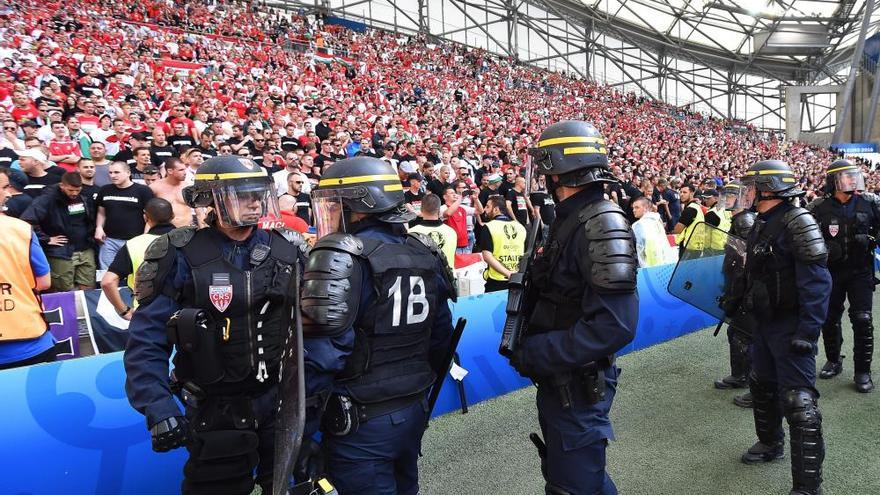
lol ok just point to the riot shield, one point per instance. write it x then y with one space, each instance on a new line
291 414
711 260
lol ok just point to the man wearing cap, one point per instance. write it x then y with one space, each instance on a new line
491 188
414 195
33 163
135 141
16 201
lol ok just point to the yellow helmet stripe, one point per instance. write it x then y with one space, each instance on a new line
393 187
570 140
733 185
769 172
584 149
341 181
232 175
846 167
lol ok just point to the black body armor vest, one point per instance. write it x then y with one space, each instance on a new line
849 239
249 310
390 356
770 274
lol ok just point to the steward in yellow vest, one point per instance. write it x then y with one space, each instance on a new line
24 269
503 242
158 214
442 234
717 216
691 215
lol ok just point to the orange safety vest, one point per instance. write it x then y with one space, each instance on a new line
21 314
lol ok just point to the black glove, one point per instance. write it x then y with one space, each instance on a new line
170 433
518 362
801 346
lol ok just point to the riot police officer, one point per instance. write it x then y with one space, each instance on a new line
381 296
850 221
221 296
585 310
738 219
787 286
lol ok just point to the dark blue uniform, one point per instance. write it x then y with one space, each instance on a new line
593 318
149 389
380 455
850 230
787 288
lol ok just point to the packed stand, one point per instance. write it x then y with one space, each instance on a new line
106 105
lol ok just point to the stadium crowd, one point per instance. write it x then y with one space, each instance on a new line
105 105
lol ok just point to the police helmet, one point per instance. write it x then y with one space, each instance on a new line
844 176
241 191
575 151
773 176
361 185
732 195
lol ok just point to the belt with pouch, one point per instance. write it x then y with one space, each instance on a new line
588 380
343 415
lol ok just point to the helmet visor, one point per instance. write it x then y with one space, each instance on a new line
849 180
540 160
750 195
327 208
734 198
246 203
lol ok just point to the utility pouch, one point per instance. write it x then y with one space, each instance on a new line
340 417
194 333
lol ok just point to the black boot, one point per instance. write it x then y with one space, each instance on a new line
739 364
807 444
832 336
768 423
744 400
863 350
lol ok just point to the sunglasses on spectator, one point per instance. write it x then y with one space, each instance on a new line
9 128
298 182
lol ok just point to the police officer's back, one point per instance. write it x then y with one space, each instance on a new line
222 297
585 309
381 296
850 222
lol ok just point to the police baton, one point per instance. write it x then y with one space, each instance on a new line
447 362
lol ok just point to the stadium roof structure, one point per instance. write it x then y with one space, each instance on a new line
731 58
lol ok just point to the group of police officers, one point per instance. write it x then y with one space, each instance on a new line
361 321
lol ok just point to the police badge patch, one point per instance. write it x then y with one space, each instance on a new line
220 291
833 229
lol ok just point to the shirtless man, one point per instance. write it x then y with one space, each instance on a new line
171 189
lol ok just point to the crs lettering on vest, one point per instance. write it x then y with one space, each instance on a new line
220 291
6 303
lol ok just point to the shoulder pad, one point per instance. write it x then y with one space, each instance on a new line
806 236
448 274
741 223
330 296
816 203
157 249
296 239
341 242
181 236
611 252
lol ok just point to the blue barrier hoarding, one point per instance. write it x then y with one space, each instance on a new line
69 428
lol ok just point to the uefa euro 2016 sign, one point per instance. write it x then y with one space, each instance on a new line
856 147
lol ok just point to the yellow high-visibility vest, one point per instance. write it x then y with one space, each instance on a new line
719 237
444 236
508 246
137 246
21 314
698 242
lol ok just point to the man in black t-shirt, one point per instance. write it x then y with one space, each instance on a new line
160 150
120 212
517 202
542 203
413 196
33 163
180 139
137 140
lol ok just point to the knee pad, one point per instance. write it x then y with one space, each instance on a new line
801 408
861 320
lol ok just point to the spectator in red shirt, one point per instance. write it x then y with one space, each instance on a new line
63 150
